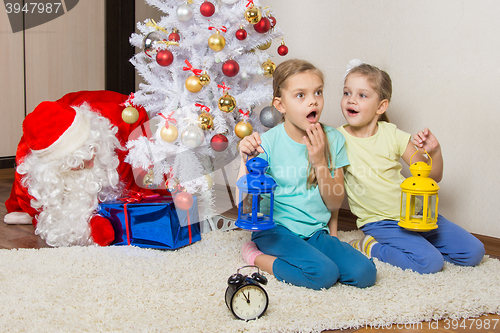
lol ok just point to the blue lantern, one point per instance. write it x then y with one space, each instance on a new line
256 183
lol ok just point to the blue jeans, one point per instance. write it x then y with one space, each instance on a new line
316 262
424 252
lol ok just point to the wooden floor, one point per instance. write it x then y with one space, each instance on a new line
22 236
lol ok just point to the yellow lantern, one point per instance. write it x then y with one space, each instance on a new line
419 199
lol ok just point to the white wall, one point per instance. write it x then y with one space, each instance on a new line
443 57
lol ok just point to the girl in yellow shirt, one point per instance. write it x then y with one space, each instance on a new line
373 178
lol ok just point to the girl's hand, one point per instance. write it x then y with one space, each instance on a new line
315 143
250 146
426 140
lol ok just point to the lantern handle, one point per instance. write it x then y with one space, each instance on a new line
268 155
426 153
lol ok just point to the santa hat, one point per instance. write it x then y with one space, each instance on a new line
55 129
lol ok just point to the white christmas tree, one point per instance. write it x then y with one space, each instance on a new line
205 68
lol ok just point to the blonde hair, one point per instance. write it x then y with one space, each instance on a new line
283 72
379 80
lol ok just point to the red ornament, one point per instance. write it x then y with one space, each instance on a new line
272 19
230 68
219 142
183 201
282 50
164 58
263 25
174 36
207 9
241 34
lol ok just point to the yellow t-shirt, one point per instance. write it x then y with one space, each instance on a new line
373 178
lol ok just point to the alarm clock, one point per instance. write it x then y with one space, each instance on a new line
245 296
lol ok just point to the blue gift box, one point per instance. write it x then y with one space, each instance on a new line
152 223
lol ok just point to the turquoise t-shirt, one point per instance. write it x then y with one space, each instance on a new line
297 208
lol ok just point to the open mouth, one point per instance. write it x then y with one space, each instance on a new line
311 117
352 112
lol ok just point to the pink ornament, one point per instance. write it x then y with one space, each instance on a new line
183 201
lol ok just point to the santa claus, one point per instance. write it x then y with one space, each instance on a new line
71 158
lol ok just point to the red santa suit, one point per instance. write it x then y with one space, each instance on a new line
57 129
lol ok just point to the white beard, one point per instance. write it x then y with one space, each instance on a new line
67 199
64 219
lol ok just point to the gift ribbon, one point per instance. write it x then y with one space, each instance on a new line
153 24
169 118
223 86
245 115
132 198
128 102
203 107
190 68
224 29
189 228
167 43
250 2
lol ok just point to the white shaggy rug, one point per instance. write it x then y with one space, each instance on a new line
129 289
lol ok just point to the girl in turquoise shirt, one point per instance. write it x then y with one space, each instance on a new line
305 159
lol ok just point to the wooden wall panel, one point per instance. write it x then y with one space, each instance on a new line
11 86
66 54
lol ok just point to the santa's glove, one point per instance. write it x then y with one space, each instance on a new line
101 230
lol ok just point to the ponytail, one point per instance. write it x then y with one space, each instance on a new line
384 117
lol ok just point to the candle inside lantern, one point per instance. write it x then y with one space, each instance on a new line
419 199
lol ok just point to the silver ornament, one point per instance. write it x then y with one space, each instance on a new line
230 2
184 12
192 136
150 43
269 116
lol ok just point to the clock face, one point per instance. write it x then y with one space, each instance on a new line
249 302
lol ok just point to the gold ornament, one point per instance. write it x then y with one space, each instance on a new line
206 121
148 179
253 15
169 134
216 42
227 103
193 84
265 46
268 67
130 115
204 79
243 129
